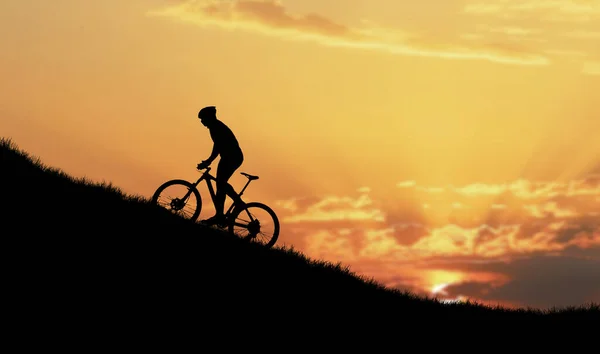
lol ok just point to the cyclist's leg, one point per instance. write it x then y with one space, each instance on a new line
232 164
225 170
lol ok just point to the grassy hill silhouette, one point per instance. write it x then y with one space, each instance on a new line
88 253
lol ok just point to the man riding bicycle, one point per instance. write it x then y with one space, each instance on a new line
227 147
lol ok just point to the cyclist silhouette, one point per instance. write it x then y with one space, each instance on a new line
227 147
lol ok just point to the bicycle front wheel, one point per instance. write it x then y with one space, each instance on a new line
180 197
255 222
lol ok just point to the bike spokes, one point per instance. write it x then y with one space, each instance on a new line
179 199
256 223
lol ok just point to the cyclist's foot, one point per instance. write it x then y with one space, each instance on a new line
214 220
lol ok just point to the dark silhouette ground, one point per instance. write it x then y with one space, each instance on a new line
86 255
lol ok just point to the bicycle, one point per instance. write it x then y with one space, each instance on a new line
254 227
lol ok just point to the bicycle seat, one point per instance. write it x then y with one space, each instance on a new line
250 177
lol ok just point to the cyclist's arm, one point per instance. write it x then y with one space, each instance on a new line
213 155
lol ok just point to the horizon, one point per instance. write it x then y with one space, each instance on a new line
449 150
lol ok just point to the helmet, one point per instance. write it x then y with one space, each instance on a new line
208 112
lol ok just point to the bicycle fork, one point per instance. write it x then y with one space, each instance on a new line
179 203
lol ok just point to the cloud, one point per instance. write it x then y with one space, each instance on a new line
269 17
331 209
406 184
549 10
483 8
549 209
509 30
583 34
521 188
461 254
565 29
416 241
546 280
271 14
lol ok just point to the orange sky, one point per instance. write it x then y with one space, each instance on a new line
449 146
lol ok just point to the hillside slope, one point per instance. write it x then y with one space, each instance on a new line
87 252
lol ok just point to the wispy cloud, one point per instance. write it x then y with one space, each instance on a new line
269 17
551 209
583 34
332 208
550 10
521 188
565 29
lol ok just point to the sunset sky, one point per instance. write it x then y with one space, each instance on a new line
451 147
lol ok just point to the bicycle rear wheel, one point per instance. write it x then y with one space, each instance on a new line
256 222
180 197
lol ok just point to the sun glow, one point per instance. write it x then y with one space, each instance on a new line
439 289
438 280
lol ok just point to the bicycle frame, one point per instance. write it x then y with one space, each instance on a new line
206 176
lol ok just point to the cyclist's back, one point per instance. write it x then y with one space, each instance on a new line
225 141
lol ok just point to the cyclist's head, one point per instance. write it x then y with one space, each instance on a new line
207 114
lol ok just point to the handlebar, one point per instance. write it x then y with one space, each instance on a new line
206 173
